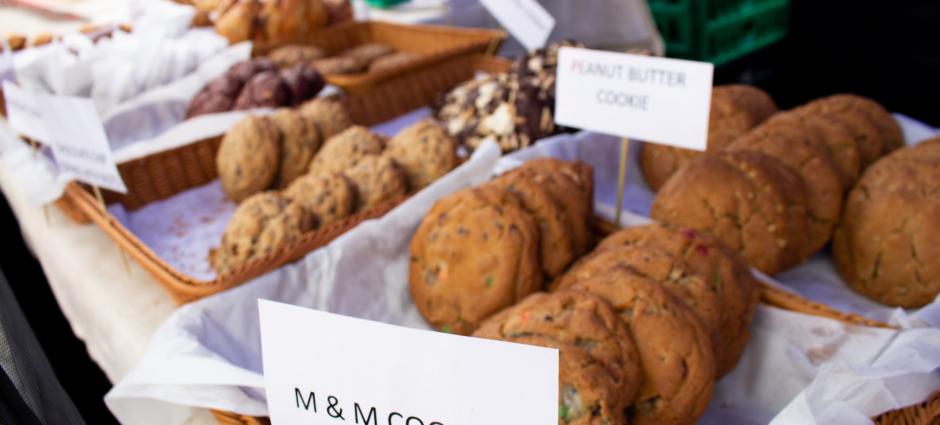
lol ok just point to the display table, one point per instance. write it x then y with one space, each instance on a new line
114 306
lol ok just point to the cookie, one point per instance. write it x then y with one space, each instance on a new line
572 185
367 53
425 151
587 394
329 197
293 54
885 247
556 249
579 319
676 356
866 135
339 65
260 226
377 180
392 61
705 255
887 126
345 150
735 110
265 90
248 157
582 320
784 139
697 292
749 201
330 116
837 138
303 82
474 254
300 140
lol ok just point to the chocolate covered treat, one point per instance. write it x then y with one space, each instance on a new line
265 90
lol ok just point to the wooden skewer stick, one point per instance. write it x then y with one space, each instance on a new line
492 48
104 210
622 176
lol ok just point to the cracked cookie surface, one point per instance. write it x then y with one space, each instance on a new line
886 245
247 160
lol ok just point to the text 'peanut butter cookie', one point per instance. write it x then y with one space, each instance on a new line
474 254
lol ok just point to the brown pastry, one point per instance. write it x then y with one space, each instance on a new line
217 96
676 356
248 157
16 42
735 109
697 292
837 138
340 65
330 116
869 141
245 70
290 20
344 151
263 224
709 258
377 180
368 52
303 82
300 141
329 197
41 39
583 320
425 151
586 393
237 24
572 185
455 291
265 90
784 139
887 126
392 61
749 201
886 245
293 54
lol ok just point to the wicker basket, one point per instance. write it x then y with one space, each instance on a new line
433 44
162 175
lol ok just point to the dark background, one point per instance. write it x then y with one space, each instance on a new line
889 51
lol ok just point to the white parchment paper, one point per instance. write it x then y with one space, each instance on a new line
796 369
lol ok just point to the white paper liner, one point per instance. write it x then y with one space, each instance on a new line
208 353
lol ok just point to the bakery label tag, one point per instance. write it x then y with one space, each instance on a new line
527 20
24 112
323 368
79 144
659 100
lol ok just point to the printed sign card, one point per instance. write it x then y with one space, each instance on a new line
652 99
322 368
526 20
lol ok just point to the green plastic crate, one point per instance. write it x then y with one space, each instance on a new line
384 3
719 31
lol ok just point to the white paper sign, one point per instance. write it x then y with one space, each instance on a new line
23 112
322 368
527 20
78 141
647 98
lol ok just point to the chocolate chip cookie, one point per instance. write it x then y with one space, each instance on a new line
425 151
248 157
572 185
293 54
260 226
377 180
345 150
330 116
300 141
330 197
